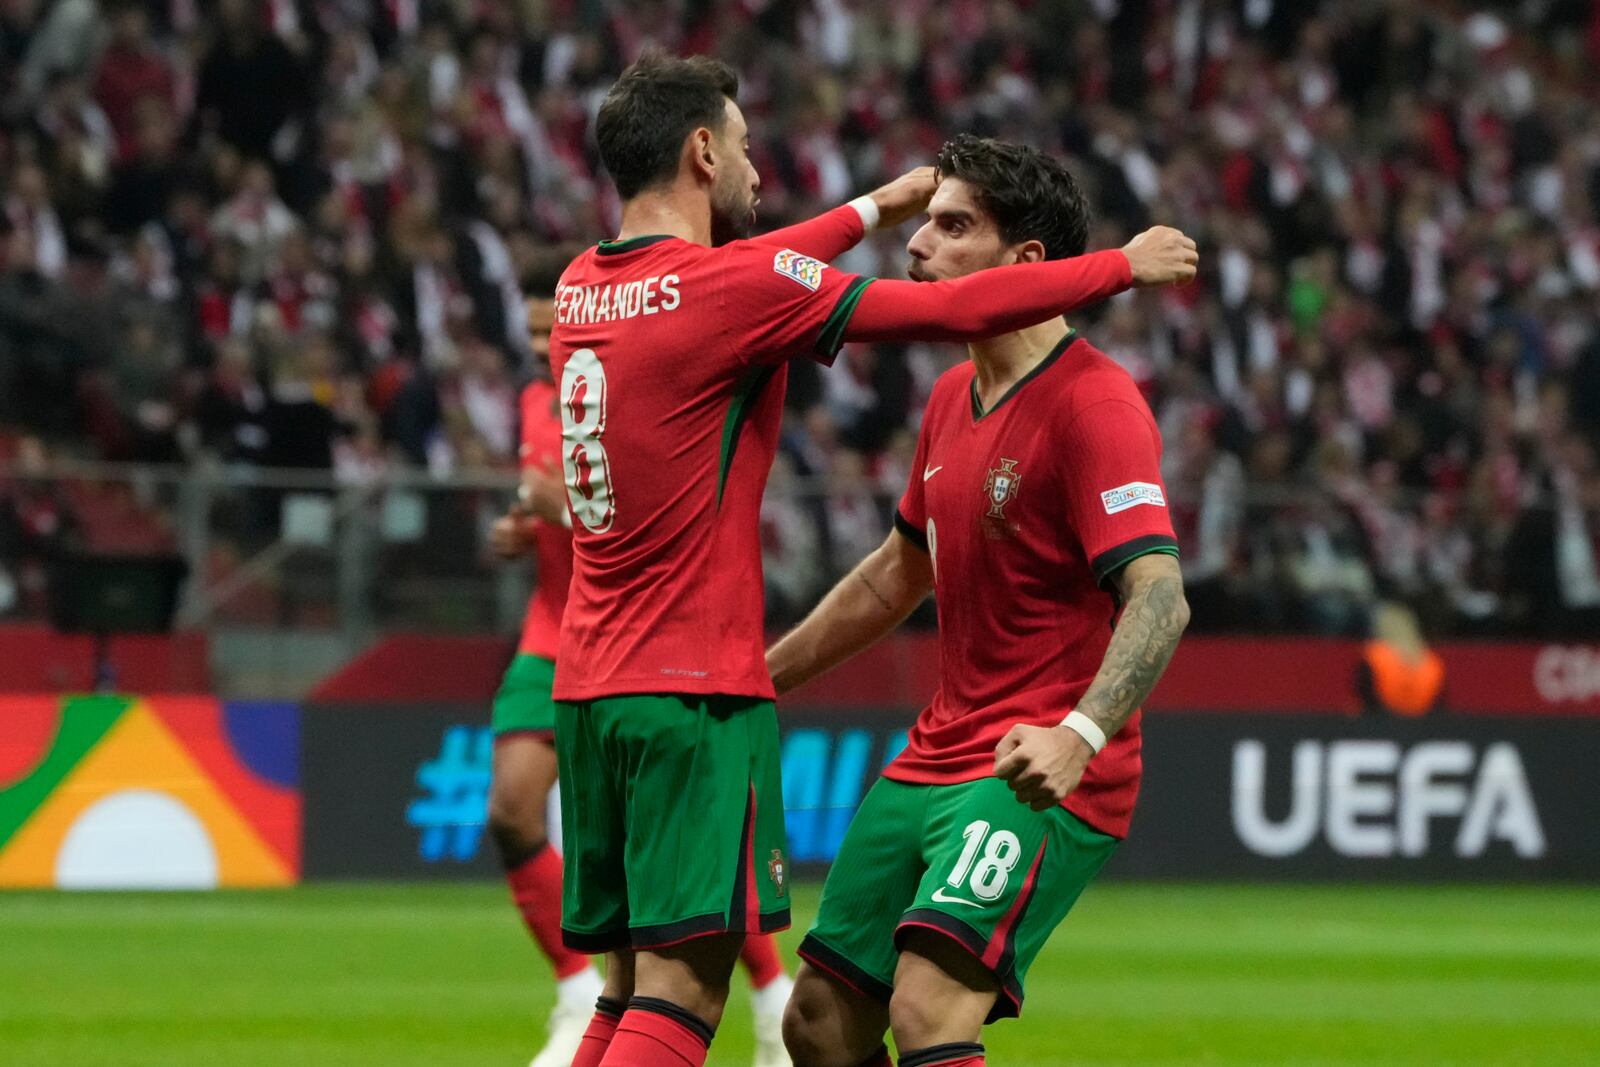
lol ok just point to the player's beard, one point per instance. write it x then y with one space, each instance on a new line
733 214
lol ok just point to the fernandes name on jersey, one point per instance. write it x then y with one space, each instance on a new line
669 359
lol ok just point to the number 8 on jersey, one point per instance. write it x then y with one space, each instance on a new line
583 457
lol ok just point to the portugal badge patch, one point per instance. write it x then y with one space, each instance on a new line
776 872
803 269
1001 487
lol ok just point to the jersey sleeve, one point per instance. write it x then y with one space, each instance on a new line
989 302
826 237
777 304
1111 464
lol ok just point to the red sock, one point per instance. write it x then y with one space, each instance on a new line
656 1033
760 955
955 1054
536 889
596 1039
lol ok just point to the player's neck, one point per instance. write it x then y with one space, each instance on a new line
667 211
1001 362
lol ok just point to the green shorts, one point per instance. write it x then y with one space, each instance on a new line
672 815
966 861
523 702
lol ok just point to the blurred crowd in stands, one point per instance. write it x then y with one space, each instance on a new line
296 233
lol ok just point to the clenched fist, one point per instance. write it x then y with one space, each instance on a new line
506 537
543 493
1041 764
1162 255
904 198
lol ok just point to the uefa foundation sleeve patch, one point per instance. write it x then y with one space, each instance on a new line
803 269
1132 495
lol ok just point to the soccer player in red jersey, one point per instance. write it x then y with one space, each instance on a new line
1036 515
669 350
524 767
524 731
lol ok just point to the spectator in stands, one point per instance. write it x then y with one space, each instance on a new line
37 524
1401 200
256 220
252 91
853 512
790 545
1206 487
29 210
131 72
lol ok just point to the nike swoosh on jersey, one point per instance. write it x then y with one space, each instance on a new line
929 472
940 896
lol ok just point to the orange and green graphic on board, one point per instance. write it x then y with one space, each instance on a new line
126 792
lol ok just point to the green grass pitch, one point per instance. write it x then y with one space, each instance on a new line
406 976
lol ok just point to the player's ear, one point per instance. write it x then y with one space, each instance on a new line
1028 252
702 154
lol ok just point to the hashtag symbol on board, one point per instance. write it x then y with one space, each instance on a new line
455 800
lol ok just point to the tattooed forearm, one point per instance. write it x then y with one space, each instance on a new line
1146 635
874 591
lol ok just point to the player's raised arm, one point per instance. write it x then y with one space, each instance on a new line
867 603
835 232
1002 299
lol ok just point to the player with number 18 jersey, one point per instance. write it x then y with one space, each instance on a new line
1025 510
1035 514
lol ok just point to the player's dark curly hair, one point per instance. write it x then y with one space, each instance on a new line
657 102
1030 196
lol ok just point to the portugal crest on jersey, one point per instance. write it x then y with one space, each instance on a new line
775 871
1001 487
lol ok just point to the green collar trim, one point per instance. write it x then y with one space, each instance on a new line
631 244
1055 353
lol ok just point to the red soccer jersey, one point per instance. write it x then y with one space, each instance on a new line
552 543
670 361
1026 510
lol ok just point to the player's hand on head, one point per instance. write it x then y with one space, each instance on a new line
904 198
1162 255
505 536
1041 764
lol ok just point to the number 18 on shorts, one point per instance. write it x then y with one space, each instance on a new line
966 861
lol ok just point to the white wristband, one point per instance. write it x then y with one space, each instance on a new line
867 208
1086 728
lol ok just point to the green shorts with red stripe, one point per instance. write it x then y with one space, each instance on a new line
965 861
523 704
672 819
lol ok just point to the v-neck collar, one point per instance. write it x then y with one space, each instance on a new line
978 414
616 248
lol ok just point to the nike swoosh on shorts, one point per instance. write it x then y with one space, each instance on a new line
939 895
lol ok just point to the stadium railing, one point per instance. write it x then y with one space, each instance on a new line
406 549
